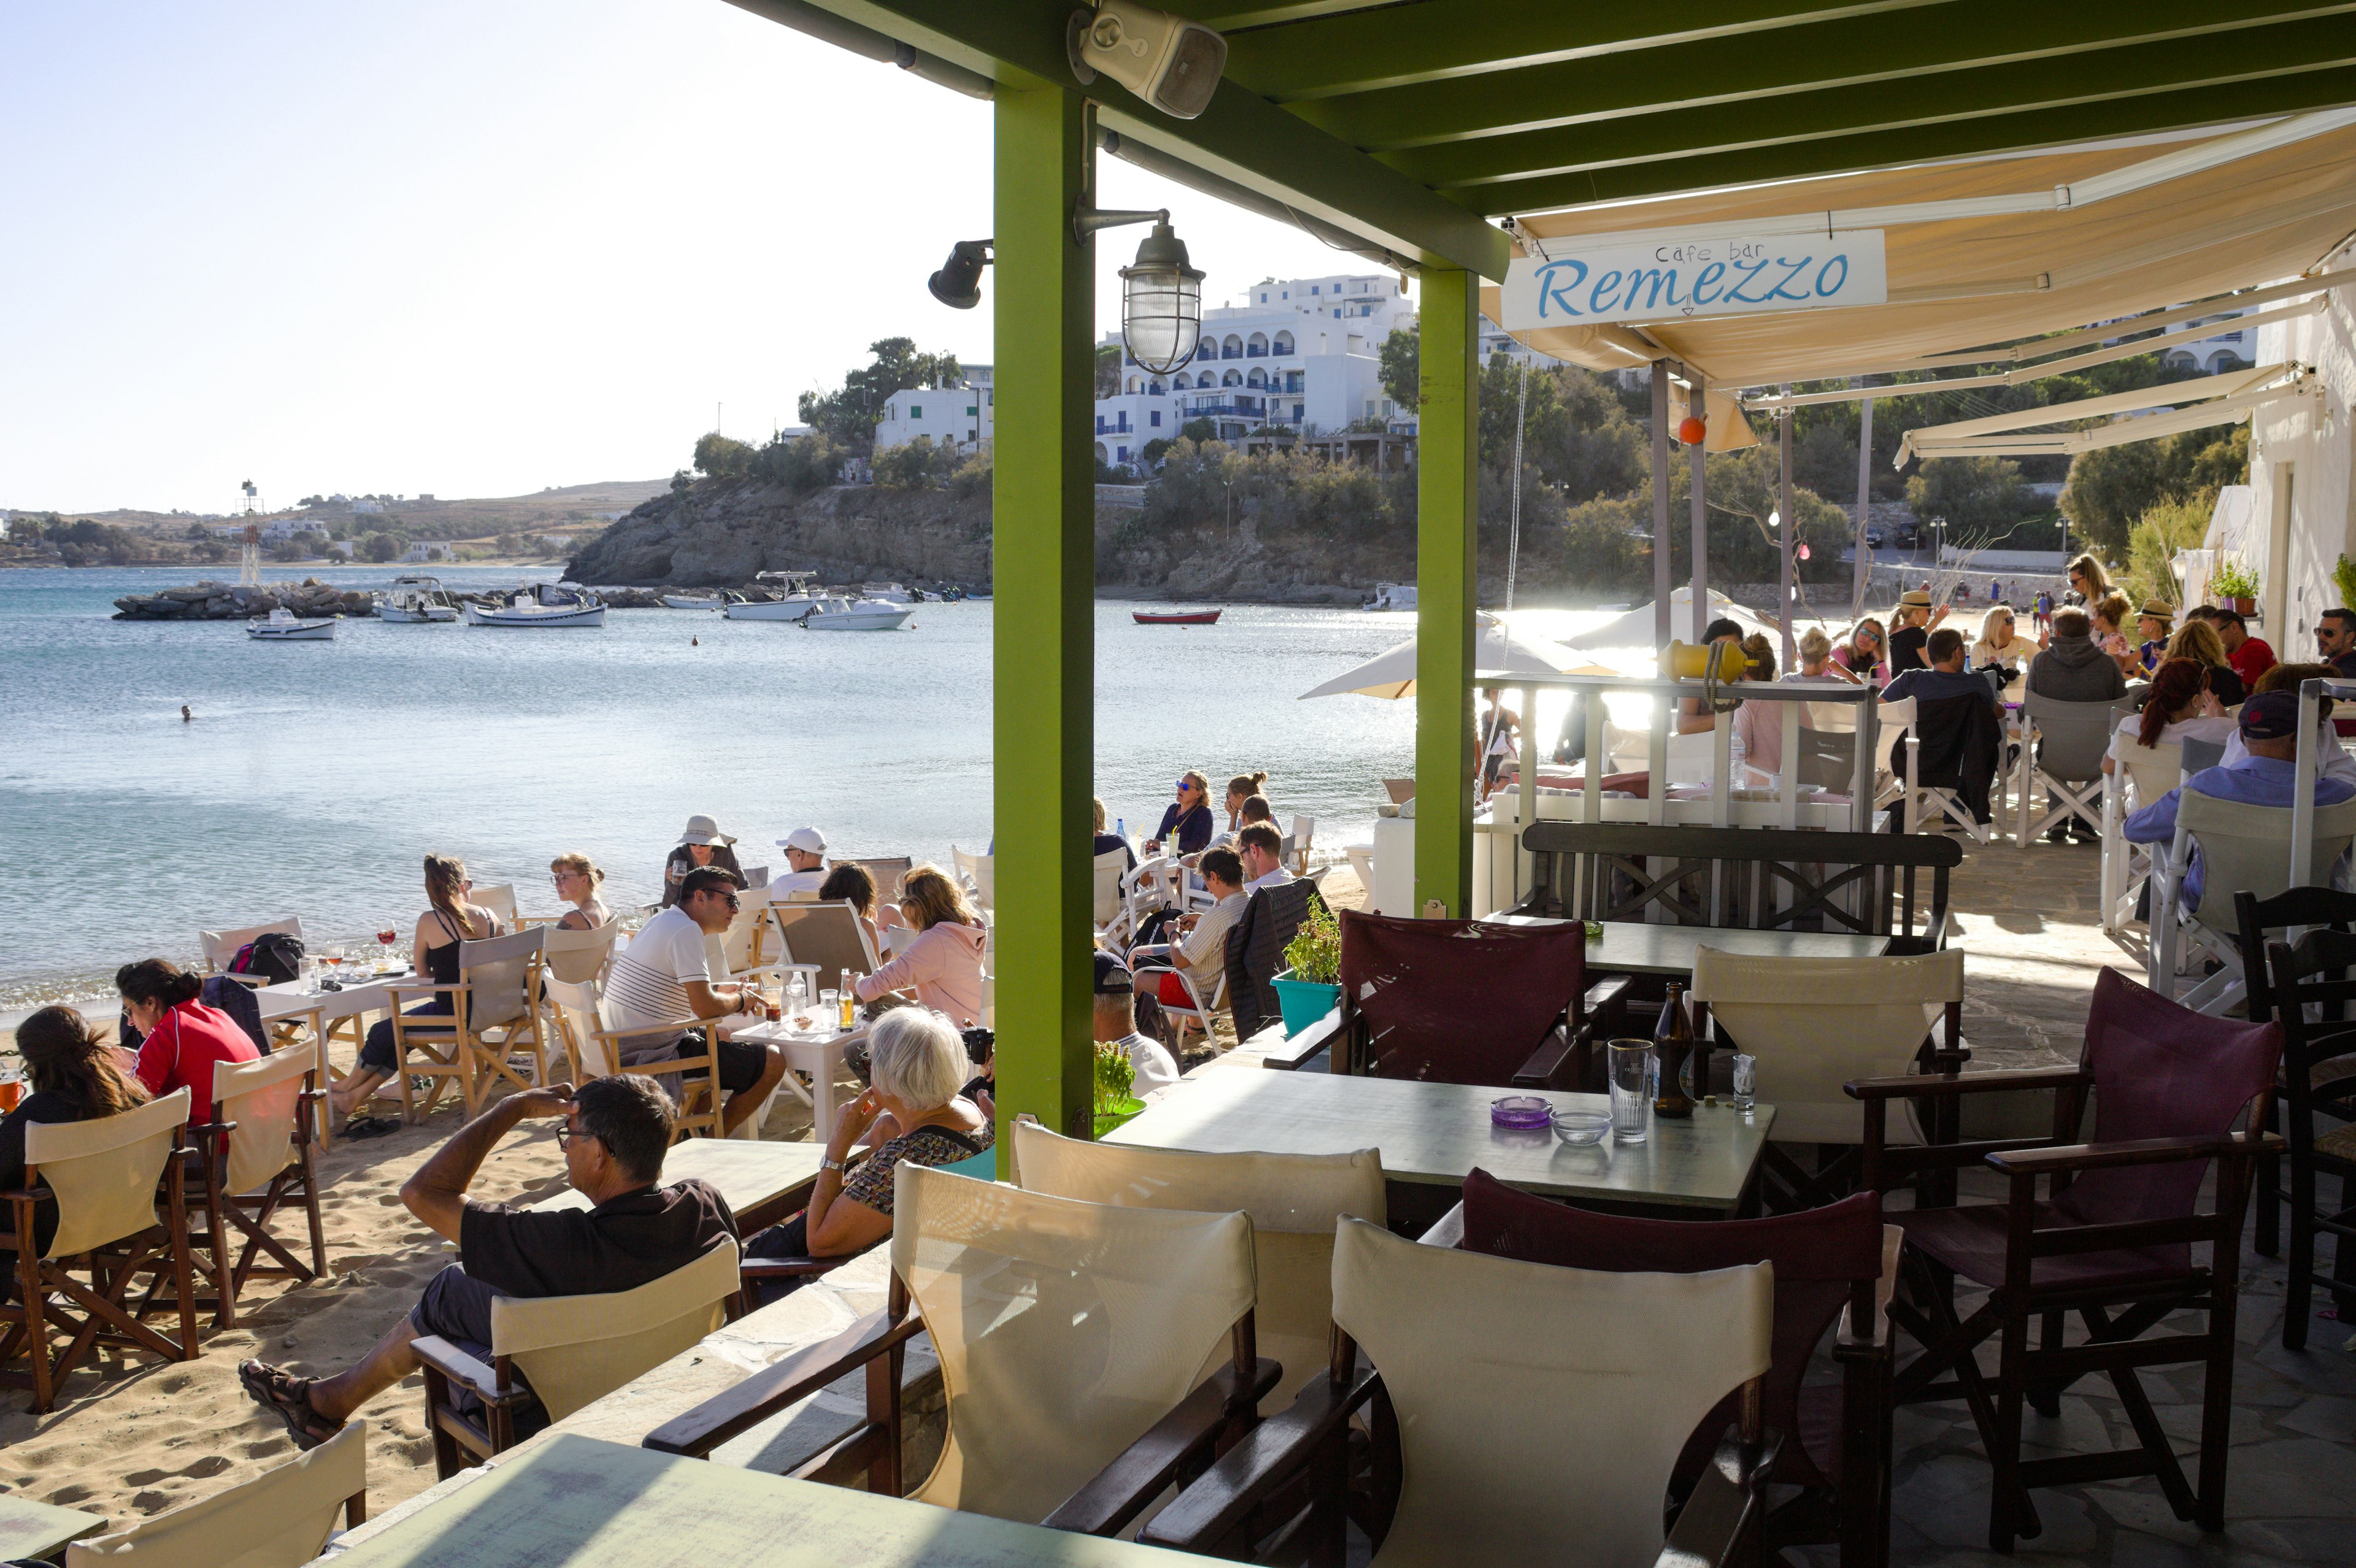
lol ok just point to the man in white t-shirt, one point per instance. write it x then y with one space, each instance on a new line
805 850
1263 857
664 979
1116 1021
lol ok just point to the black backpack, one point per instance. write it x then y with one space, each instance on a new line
275 956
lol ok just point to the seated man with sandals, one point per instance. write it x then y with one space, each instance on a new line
634 1233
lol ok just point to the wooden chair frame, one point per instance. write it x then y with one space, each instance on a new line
474 1063
1565 1059
689 1121
2116 1317
106 1315
2319 1079
1181 1445
230 1216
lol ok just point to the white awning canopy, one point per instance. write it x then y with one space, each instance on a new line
2182 405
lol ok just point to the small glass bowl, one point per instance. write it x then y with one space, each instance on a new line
1581 1129
1520 1112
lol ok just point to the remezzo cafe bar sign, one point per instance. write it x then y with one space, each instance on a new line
1672 275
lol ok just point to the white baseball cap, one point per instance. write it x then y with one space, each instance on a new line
808 840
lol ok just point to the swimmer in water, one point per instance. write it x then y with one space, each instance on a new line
184 715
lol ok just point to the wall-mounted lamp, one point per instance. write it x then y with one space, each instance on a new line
1161 294
958 283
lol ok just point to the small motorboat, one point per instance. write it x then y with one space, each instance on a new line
415 600
284 628
695 601
792 607
548 606
856 615
1175 617
1391 596
889 593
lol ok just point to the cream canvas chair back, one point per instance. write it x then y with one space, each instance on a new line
1109 866
579 955
1065 1329
576 1348
2247 847
582 1013
220 947
104 1171
498 972
1539 1406
2155 770
281 1518
1816 1023
500 899
1292 1199
263 1097
737 949
976 868
828 934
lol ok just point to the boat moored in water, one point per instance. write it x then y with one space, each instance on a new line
856 615
284 628
1175 617
416 600
544 605
1391 596
695 601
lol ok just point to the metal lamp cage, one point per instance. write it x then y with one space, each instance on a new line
1160 304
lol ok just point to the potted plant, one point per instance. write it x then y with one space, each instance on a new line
1116 1079
2236 584
1311 984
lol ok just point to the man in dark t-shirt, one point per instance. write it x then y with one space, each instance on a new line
635 1231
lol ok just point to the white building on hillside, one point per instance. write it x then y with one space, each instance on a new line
1295 354
2230 349
957 416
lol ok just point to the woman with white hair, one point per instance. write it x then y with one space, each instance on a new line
913 1112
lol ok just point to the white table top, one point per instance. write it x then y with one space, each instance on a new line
1436 1133
1639 947
290 1000
748 1174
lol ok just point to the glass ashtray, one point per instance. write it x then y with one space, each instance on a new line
1581 1128
1520 1111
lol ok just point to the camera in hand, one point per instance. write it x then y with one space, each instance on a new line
979 1044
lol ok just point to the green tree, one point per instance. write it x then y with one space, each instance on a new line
1108 369
2110 487
800 463
2164 529
1199 430
382 547
680 481
849 415
916 465
1980 497
1402 362
723 457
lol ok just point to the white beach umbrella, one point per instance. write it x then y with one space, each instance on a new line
1634 629
1391 672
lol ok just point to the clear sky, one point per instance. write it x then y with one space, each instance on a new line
471 247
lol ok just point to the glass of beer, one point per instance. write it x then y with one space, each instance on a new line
11 1089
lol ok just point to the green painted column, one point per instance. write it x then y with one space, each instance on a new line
1447 505
1043 519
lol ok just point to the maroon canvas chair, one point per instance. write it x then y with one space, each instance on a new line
1837 1444
1463 1001
2113 1241
2318 1108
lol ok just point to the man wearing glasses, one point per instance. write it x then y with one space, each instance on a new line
664 980
2335 641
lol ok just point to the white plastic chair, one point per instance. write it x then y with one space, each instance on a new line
2074 737
279 1519
1943 803
976 871
2243 848
1110 868
1304 830
2142 775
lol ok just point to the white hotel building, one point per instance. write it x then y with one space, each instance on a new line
957 416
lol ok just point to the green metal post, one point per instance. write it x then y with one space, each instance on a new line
1043 520
1447 502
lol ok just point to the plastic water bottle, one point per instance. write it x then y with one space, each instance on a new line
1120 828
797 995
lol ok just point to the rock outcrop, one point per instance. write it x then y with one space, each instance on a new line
240 602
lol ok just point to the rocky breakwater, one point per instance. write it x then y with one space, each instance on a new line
243 600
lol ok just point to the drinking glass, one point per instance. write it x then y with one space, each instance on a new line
1746 1082
11 1088
311 972
1631 1066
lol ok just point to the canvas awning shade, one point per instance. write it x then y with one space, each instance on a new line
1958 284
2184 405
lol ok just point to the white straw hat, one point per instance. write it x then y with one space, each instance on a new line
703 830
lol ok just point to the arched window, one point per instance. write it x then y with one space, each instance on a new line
1181 381
1256 347
1232 348
1232 378
1284 343
1258 377
1154 388
1136 385
1209 350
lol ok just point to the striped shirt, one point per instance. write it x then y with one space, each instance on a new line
647 988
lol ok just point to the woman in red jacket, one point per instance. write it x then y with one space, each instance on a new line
184 1038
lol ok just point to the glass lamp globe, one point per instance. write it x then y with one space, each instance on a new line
1160 304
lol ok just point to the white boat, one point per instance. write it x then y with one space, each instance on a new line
282 628
548 606
889 593
856 615
1391 596
695 601
792 607
413 601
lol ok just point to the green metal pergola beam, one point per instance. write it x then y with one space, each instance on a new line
2028 130
1448 482
1241 137
1439 39
1765 72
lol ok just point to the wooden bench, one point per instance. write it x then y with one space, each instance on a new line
1754 878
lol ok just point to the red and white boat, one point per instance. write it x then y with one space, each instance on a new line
1175 617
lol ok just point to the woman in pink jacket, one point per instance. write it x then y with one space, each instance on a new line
943 964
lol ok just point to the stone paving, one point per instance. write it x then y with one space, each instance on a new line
2029 926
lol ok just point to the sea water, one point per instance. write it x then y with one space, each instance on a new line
315 775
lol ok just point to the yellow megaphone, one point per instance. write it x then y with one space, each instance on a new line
1711 661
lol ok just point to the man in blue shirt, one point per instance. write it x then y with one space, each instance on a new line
1946 676
2264 777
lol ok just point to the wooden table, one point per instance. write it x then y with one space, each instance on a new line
763 1182
577 1501
1639 947
31 1530
1431 1135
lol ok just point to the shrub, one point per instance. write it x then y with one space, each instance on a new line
917 464
800 463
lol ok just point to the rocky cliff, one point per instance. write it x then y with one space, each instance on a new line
720 533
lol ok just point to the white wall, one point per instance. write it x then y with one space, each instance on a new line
952 416
2299 476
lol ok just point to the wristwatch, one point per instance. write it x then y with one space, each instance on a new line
827 1163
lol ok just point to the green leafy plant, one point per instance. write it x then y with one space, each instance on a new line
1115 1084
1315 950
2234 580
2343 577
